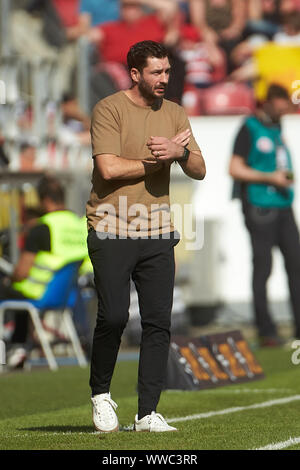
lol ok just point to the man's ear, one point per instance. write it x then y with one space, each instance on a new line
135 75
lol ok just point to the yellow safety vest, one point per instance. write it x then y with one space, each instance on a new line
68 244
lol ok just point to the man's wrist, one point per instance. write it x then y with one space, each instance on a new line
266 177
184 156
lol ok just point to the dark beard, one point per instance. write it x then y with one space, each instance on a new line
147 93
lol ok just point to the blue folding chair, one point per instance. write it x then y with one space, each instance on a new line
59 295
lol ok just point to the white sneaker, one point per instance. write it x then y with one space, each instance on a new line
16 358
104 416
152 423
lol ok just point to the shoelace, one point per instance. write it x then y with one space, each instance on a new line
106 409
157 418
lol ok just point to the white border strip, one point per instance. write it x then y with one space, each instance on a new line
281 445
209 414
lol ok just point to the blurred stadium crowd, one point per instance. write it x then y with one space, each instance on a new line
82 45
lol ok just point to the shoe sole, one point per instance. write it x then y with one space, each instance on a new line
101 430
116 429
148 430
173 430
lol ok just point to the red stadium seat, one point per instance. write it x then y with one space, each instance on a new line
227 99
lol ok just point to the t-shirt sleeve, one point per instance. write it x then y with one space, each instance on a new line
38 239
105 130
183 123
242 143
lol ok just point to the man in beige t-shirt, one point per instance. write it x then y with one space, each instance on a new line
136 136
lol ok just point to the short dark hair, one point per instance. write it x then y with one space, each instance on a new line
277 91
138 53
50 187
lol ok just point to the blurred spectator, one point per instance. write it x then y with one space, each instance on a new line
48 243
220 22
27 157
76 124
49 30
61 20
99 11
3 157
184 8
202 66
136 24
289 34
114 39
29 218
288 6
263 18
241 56
261 165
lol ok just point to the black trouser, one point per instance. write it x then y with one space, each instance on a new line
150 264
269 228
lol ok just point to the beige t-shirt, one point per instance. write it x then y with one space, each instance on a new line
137 207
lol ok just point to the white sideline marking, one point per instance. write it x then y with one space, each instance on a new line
209 414
236 391
281 445
57 433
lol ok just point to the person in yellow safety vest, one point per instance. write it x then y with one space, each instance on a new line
58 238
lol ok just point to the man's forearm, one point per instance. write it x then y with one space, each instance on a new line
240 171
194 167
197 13
249 175
23 266
239 13
112 167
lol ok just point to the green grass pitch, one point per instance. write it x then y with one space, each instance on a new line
52 411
